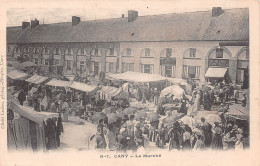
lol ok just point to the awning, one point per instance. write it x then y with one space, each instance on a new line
36 79
17 75
136 77
59 83
178 81
111 91
175 90
29 113
83 87
237 114
215 72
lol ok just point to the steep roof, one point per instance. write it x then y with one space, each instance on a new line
233 24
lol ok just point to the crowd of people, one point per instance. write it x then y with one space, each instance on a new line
131 132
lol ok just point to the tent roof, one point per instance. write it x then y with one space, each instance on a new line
237 114
176 90
178 81
112 91
17 75
29 113
60 83
36 79
216 72
136 77
83 87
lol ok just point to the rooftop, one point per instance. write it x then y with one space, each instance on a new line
232 25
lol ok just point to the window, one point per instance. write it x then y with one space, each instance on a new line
168 52
147 68
191 72
56 62
46 62
96 52
111 67
111 52
8 49
36 61
127 67
192 52
128 51
247 53
219 53
56 51
82 51
45 50
68 65
82 67
147 52
17 49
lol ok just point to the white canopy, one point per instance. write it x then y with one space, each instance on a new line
176 90
112 91
178 81
36 79
216 72
60 83
29 113
17 75
83 87
136 77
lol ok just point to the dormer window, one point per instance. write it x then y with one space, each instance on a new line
147 52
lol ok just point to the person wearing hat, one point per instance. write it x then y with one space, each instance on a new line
175 136
244 100
160 138
206 128
156 95
217 143
139 135
100 140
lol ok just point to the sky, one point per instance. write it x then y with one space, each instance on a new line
15 16
54 11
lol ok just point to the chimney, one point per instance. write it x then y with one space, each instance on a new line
217 11
25 25
34 23
123 16
75 20
132 15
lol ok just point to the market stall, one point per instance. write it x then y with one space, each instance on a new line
17 75
136 77
83 87
36 79
58 83
26 127
107 92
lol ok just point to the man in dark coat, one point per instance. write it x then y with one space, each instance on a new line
21 97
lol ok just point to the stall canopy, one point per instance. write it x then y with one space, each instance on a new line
215 72
111 91
136 77
59 83
36 79
83 87
17 75
178 81
29 113
175 90
237 114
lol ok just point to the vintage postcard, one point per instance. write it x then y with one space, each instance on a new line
129 83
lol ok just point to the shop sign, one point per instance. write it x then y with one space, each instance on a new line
69 57
46 56
219 62
83 58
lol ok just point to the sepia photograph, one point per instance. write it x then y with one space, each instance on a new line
133 82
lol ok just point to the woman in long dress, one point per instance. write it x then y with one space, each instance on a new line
186 145
175 137
196 106
217 143
239 140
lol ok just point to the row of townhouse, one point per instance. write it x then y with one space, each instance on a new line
181 45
